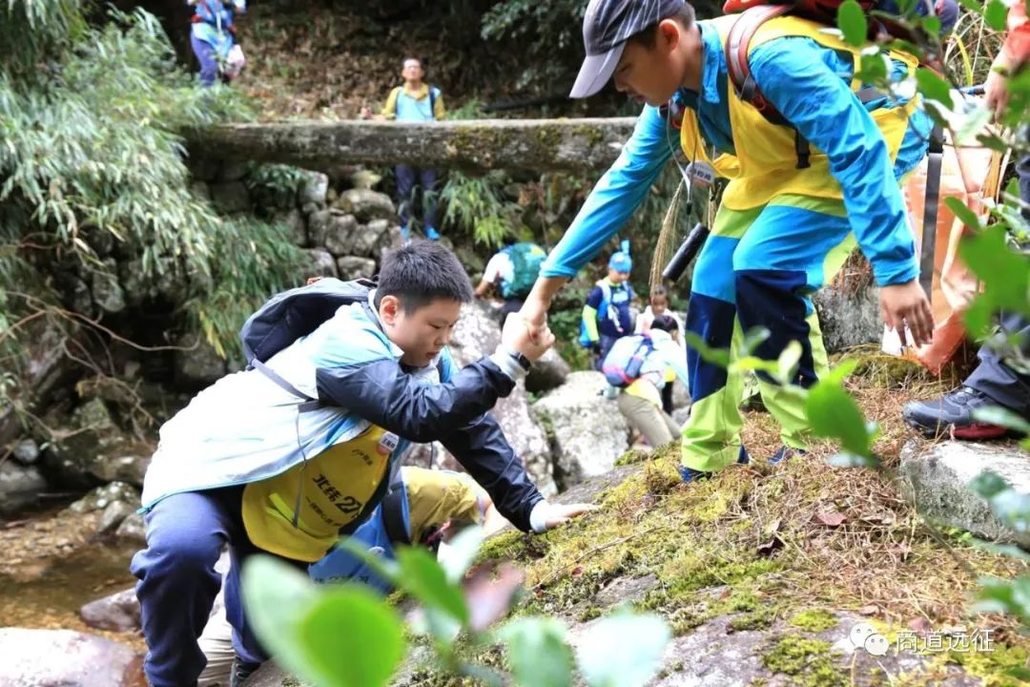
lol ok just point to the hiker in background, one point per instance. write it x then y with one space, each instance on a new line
213 39
799 194
422 508
511 273
606 313
637 364
998 379
414 101
658 305
287 455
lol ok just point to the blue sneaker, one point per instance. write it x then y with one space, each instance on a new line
785 453
689 475
405 233
432 234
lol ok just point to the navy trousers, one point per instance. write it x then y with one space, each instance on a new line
178 581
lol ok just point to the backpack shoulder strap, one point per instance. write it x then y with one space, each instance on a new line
308 404
434 92
738 42
395 508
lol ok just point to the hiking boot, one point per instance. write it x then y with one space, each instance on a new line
952 413
689 475
432 234
785 453
241 670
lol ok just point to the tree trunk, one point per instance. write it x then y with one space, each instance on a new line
539 145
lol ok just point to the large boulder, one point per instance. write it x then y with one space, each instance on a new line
230 197
366 204
367 238
132 529
118 612
340 234
475 336
197 363
107 292
319 223
102 497
352 267
314 188
936 477
294 222
319 263
549 372
63 658
849 313
19 486
587 431
26 451
74 449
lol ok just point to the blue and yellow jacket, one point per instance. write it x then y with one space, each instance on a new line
810 83
311 475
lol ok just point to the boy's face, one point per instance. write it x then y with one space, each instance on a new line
616 277
659 304
423 333
652 75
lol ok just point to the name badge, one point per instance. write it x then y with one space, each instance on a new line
700 173
388 443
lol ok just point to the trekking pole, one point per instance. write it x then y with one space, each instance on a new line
688 250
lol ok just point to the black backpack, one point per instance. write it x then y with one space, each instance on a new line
289 315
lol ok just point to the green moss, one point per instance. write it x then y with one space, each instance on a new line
508 546
809 661
696 569
756 620
1000 666
814 620
634 455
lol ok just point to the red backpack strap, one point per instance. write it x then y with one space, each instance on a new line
738 41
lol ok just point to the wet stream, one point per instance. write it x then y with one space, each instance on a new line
48 573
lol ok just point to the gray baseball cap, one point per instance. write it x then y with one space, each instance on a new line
606 27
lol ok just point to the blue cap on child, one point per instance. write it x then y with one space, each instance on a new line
620 262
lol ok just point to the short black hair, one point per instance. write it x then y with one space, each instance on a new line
659 291
421 272
648 37
666 323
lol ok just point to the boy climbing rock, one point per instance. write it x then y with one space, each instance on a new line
287 456
800 193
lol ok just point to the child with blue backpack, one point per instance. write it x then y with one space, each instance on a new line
606 314
213 37
637 365
423 507
285 457
511 273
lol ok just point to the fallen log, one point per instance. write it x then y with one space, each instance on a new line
538 145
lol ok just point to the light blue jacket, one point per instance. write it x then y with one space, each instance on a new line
245 428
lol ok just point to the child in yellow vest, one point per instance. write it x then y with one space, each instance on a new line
250 465
789 215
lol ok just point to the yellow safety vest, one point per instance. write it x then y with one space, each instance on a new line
334 487
765 162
